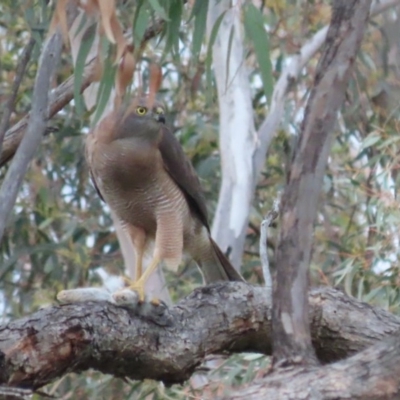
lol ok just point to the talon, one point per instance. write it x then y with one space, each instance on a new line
155 302
139 289
128 281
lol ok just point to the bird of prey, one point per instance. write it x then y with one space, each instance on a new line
141 171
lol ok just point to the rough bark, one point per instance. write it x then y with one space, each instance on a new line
291 333
221 318
372 374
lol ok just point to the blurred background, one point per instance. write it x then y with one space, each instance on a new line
221 62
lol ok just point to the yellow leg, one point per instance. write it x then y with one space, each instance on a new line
139 264
138 239
138 268
138 286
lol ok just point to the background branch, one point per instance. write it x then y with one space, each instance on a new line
372 374
60 97
291 334
36 127
288 77
271 216
19 74
229 317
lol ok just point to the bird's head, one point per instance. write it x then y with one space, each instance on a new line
142 118
145 108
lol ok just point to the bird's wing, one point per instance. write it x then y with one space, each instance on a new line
95 185
181 171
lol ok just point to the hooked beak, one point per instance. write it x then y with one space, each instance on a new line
160 118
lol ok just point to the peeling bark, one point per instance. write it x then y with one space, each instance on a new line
237 134
220 318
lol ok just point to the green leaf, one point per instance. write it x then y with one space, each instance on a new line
200 12
213 36
81 25
173 26
30 16
105 87
370 140
86 44
254 27
388 142
140 23
158 9
231 34
140 26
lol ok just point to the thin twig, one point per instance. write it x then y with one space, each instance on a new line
10 104
266 222
36 127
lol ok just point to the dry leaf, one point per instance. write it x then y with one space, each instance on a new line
155 81
124 76
119 37
97 69
90 6
125 71
60 19
107 12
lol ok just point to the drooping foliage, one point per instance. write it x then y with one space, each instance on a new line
60 234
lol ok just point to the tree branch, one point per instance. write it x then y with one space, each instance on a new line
225 317
36 127
60 97
271 216
372 374
291 334
19 73
288 77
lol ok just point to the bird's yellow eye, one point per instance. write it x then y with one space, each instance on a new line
141 110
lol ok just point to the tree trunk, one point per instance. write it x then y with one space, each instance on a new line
291 333
372 374
237 134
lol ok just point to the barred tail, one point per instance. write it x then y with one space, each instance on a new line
218 267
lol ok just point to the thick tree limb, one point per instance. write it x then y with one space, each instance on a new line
372 374
291 334
229 317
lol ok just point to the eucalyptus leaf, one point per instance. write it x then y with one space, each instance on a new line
255 30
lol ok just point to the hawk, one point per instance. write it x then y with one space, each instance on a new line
141 171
